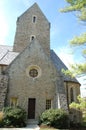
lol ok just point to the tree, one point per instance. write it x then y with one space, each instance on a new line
79 7
81 105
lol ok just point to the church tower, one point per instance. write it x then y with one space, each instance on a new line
31 25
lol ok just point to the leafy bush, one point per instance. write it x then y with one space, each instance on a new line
80 106
55 117
14 117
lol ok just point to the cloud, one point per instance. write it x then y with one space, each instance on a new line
65 55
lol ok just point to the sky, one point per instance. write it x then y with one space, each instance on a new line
64 26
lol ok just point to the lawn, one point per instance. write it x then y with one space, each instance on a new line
48 129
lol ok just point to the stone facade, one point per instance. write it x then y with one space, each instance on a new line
72 90
22 86
3 90
35 80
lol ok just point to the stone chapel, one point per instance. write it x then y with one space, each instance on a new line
30 72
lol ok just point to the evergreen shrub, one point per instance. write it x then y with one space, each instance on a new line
14 117
57 118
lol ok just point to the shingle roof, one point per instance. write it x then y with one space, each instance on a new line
4 49
60 65
8 58
6 55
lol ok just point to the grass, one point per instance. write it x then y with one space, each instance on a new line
42 127
45 127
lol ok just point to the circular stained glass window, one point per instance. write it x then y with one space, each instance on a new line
33 73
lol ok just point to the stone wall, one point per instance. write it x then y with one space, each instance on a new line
3 89
43 87
26 28
76 90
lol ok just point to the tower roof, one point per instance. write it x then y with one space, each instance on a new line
33 8
32 23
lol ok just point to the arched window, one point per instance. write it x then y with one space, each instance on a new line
32 37
34 19
71 95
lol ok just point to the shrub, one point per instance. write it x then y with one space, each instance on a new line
55 117
14 117
1 118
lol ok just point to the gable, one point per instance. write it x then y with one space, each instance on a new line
34 55
32 70
34 9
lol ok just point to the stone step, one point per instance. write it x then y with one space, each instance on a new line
32 121
33 127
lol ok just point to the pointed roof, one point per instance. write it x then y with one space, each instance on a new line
60 65
31 8
33 50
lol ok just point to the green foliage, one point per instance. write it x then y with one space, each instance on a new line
81 105
74 5
84 118
14 116
82 15
76 70
55 117
68 73
79 7
78 40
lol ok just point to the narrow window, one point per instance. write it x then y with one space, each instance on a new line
71 95
14 101
34 19
48 104
32 37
